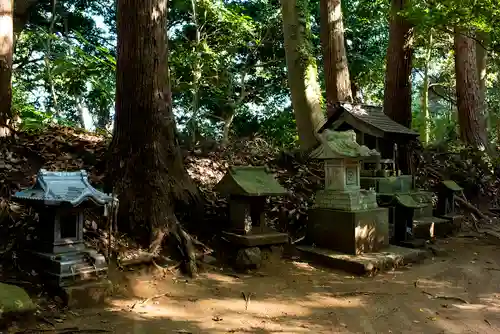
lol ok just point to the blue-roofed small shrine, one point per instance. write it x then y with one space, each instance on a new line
62 188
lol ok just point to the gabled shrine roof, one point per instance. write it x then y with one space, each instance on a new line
367 119
57 188
340 145
249 181
451 185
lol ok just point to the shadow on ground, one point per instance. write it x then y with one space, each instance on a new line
455 294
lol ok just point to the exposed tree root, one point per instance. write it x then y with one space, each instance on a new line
184 244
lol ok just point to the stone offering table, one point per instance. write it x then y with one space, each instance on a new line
58 252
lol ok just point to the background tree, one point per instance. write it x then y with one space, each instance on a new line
147 171
302 71
397 93
6 51
336 68
470 105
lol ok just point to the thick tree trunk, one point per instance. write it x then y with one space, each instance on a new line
337 82
148 170
470 108
397 94
6 51
302 72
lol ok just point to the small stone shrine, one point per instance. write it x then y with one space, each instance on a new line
58 252
410 209
345 218
446 209
247 188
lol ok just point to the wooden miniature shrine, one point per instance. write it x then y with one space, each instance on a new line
410 209
58 253
247 189
345 218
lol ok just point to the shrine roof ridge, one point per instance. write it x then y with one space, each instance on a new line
341 145
249 181
57 188
365 118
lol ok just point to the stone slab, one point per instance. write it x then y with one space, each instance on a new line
256 239
348 232
365 264
433 227
87 294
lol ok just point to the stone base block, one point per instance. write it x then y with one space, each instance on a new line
348 232
456 222
87 294
256 239
365 264
434 227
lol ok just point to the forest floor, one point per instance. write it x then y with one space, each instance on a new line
457 292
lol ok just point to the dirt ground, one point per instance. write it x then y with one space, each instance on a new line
454 293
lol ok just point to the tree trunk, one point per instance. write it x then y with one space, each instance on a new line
397 93
195 103
228 121
470 108
6 51
337 82
147 169
426 124
302 72
482 62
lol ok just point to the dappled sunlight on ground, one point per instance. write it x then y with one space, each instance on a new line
455 294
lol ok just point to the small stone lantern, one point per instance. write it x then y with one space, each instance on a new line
58 252
247 188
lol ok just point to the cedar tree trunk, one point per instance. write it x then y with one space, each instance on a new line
482 64
470 107
147 172
397 94
302 72
6 50
336 67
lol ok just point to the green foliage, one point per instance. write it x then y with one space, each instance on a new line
238 67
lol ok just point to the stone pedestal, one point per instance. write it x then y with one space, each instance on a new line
85 295
68 268
349 232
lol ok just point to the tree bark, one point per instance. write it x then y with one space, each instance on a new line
482 62
6 52
147 167
470 108
336 67
195 102
397 93
302 72
426 124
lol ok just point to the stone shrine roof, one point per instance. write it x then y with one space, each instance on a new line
341 145
249 181
451 185
366 119
57 188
